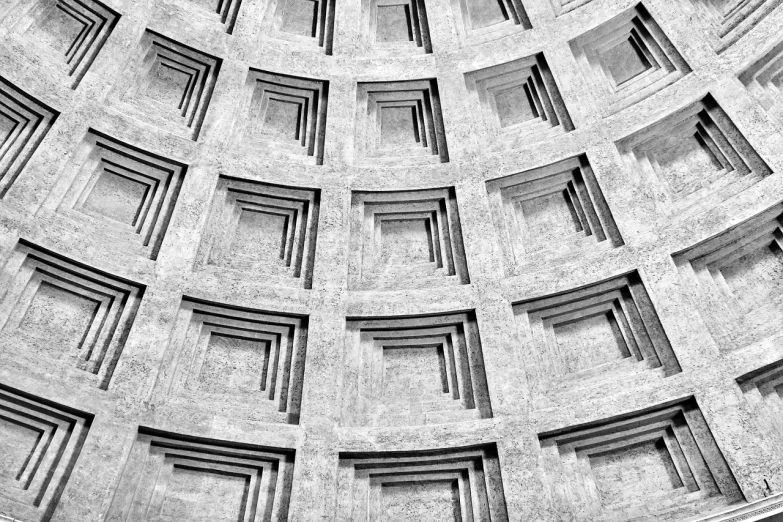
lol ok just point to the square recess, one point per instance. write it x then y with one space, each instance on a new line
735 282
168 476
693 159
63 37
659 464
306 25
25 122
65 317
167 84
248 363
394 27
413 371
456 484
485 20
406 239
400 123
283 117
517 103
118 190
764 79
627 59
557 211
262 228
40 442
588 336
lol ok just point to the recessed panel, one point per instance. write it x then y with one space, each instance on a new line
59 316
61 28
625 61
436 500
590 341
18 440
117 197
234 363
394 23
634 471
300 17
204 495
282 119
406 241
261 235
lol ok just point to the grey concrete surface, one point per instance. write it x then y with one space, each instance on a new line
373 260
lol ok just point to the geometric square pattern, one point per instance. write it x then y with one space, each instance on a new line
283 116
304 24
406 239
267 229
763 391
121 189
764 80
657 464
730 20
566 6
519 100
484 20
551 211
605 331
395 26
693 159
167 84
413 370
24 121
736 280
248 361
169 477
63 35
63 317
457 484
40 442
223 11
400 123
627 59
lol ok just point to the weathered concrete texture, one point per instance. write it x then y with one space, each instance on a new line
391 260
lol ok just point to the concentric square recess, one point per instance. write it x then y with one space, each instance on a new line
24 121
566 6
518 101
484 20
413 370
730 20
121 190
63 35
735 280
304 24
693 159
764 80
591 335
457 484
660 464
763 391
406 239
40 442
283 116
550 212
627 59
262 228
400 123
395 26
169 476
247 362
167 84
61 317
222 11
